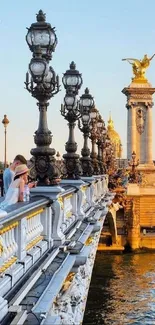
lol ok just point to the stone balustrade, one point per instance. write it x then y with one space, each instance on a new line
56 219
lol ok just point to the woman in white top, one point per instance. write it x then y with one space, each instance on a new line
15 192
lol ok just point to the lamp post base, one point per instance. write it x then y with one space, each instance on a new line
87 166
72 165
44 168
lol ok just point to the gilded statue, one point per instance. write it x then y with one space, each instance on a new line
139 67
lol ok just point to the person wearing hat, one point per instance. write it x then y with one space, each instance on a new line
15 192
9 172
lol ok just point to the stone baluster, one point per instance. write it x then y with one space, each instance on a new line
104 186
57 219
34 229
74 205
67 212
80 197
8 247
67 206
99 189
22 238
46 221
85 201
91 195
95 195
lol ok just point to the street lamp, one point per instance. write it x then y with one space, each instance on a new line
43 34
133 164
93 136
43 84
72 81
108 149
103 147
86 103
5 122
100 134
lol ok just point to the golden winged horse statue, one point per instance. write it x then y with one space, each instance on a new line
139 67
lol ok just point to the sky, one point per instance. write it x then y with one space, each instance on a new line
94 34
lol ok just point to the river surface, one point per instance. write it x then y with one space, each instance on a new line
122 290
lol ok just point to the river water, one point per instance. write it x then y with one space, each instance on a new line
122 290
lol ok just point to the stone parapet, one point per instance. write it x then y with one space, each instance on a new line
45 240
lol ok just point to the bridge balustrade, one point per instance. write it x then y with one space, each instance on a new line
32 229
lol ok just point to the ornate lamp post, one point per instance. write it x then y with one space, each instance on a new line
43 34
93 136
86 103
108 152
103 148
100 133
72 81
5 122
42 85
133 164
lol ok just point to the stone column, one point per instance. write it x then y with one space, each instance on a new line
133 131
128 133
149 136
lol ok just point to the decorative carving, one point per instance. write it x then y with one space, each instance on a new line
73 167
136 213
141 96
43 139
140 119
87 166
44 167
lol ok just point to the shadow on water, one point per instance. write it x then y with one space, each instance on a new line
122 290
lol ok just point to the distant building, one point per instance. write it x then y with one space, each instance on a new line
115 139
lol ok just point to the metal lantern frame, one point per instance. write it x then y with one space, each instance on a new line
86 103
70 111
72 79
44 29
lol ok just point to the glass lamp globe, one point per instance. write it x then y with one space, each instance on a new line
72 78
69 101
38 69
86 100
85 118
41 33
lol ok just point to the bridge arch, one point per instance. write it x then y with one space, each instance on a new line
111 220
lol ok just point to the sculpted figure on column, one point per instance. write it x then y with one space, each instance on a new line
139 67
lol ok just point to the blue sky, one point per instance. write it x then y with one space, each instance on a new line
96 35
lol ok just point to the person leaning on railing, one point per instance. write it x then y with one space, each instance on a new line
15 191
9 172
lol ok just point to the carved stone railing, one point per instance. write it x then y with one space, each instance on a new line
56 219
21 231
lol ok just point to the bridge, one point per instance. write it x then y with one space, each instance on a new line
47 252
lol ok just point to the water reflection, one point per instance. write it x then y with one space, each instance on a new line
122 290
